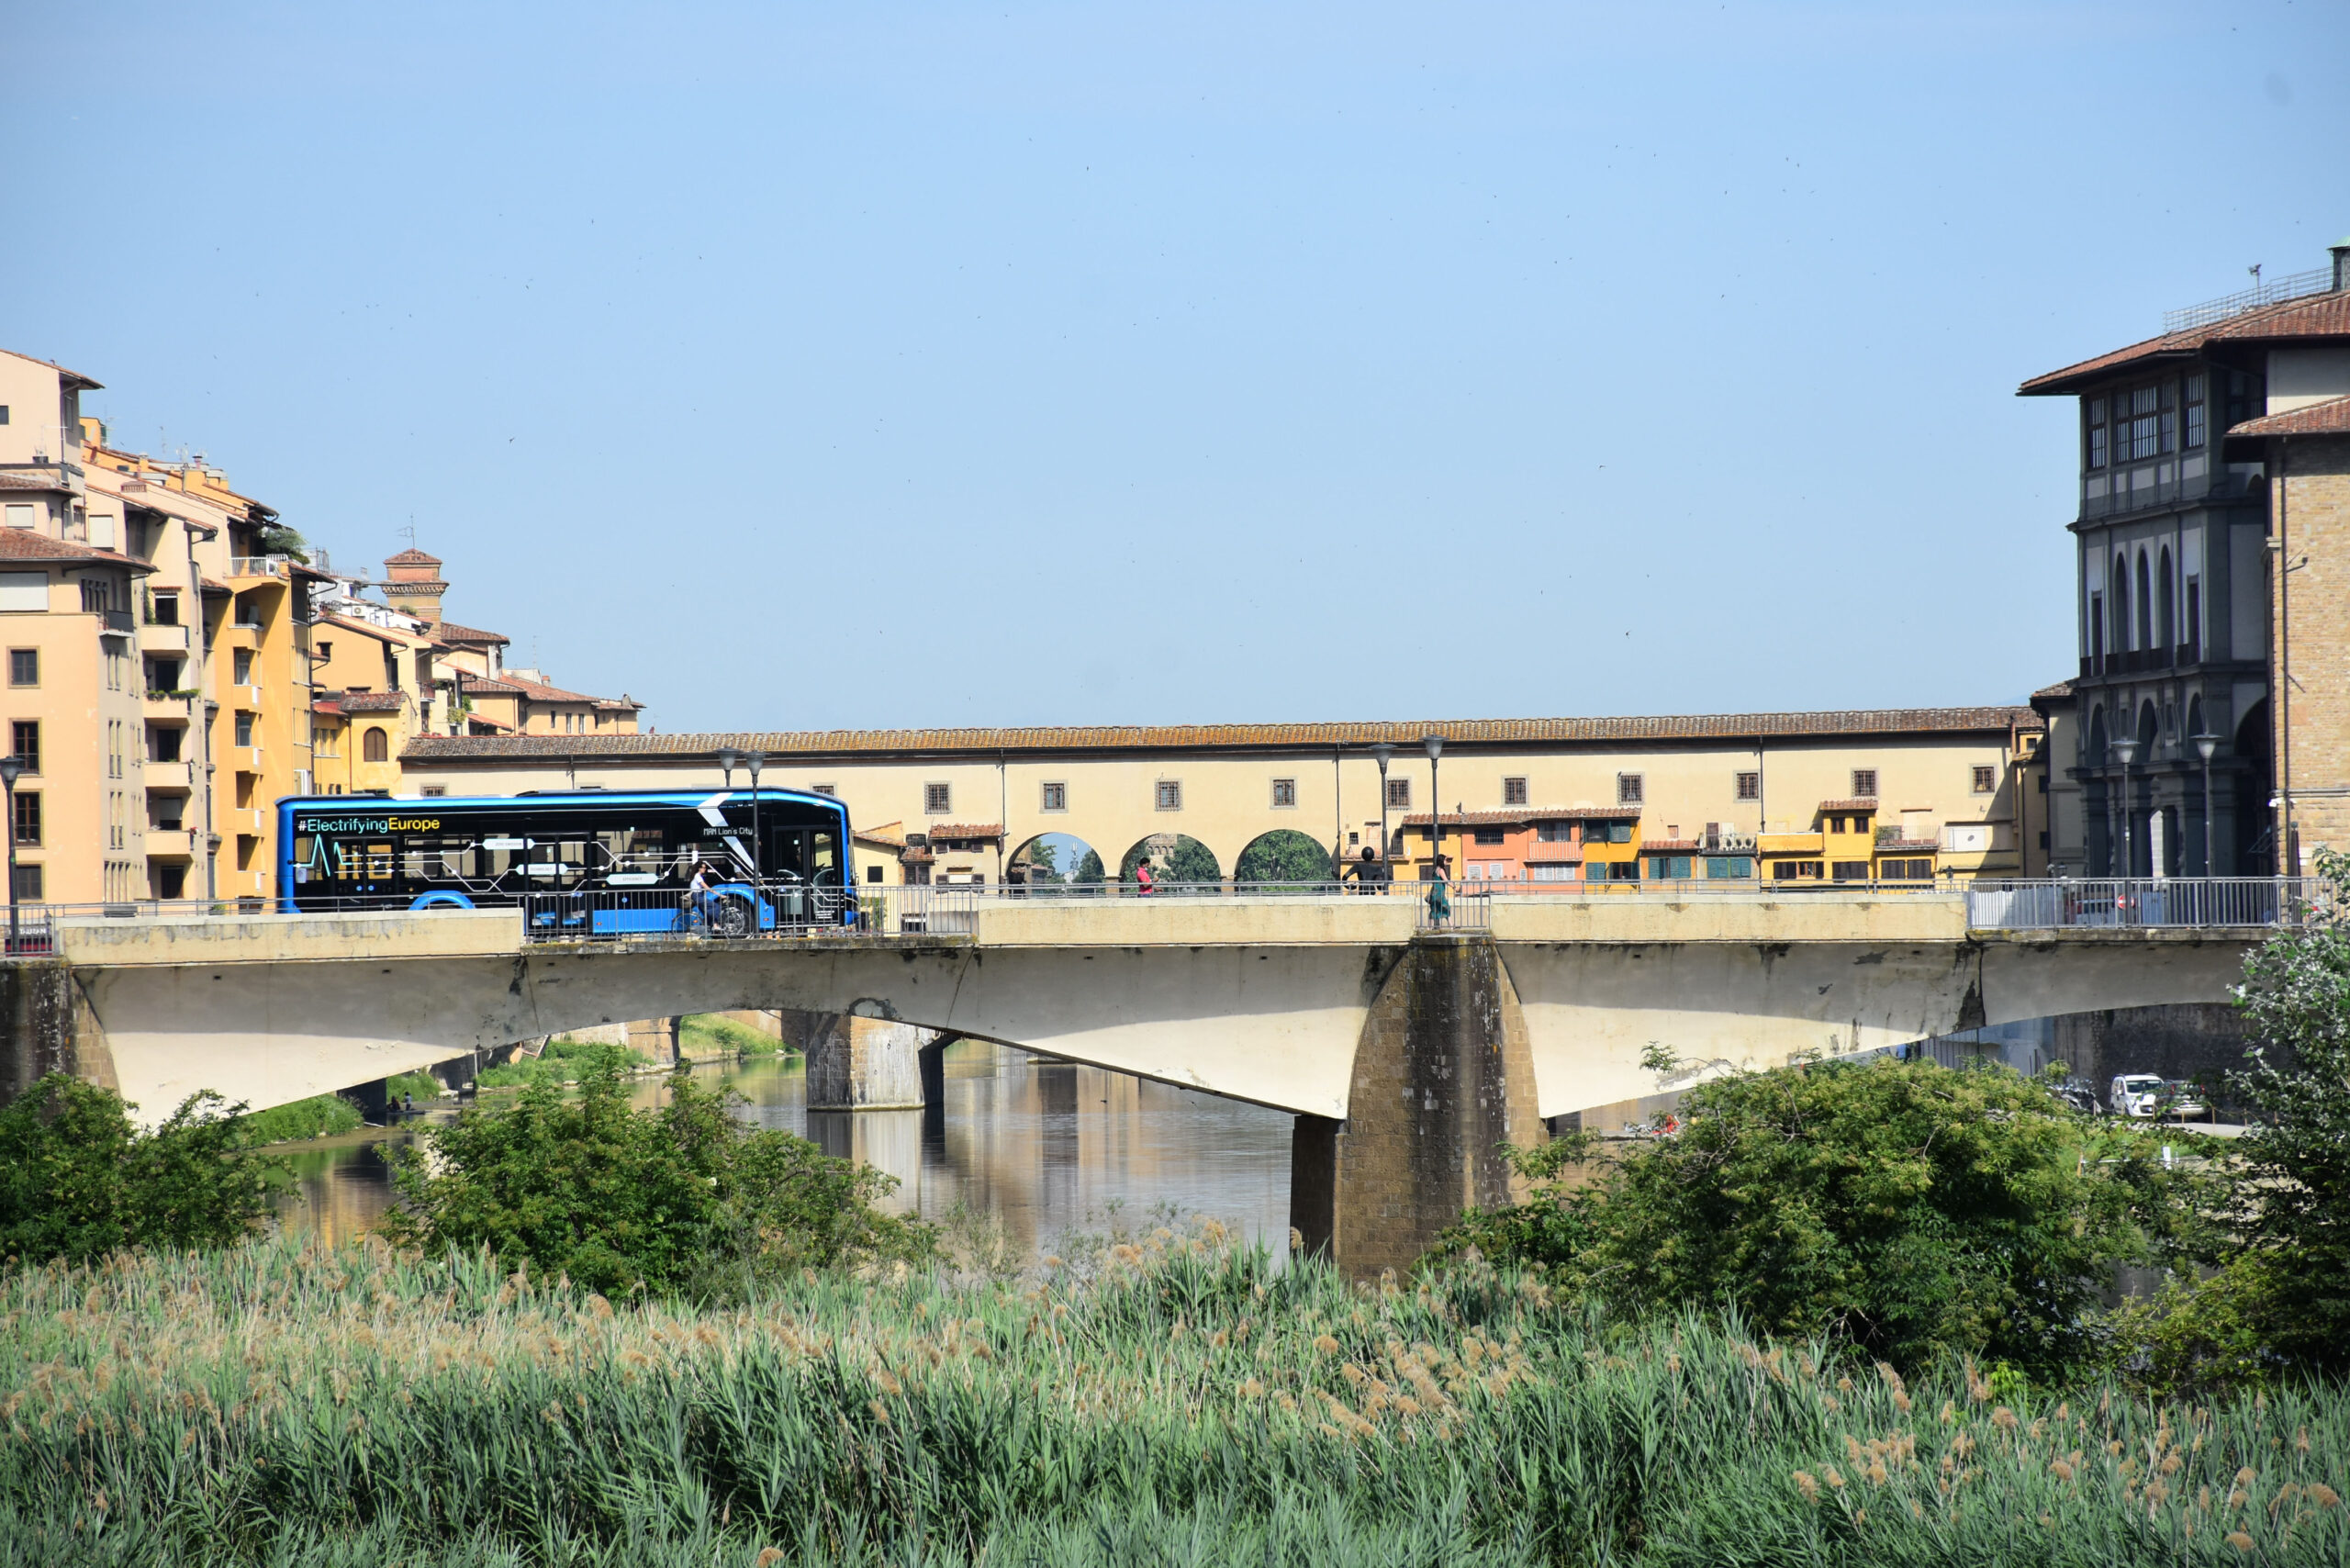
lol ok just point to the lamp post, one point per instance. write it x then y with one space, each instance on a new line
727 757
2126 751
9 769
755 761
1435 744
1383 751
2204 746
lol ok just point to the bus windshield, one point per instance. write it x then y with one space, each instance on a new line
345 851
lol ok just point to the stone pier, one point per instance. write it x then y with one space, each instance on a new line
1443 1075
866 1064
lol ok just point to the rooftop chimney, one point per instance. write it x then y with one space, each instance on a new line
2341 249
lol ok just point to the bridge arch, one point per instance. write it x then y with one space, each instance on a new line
1055 859
1173 857
1283 855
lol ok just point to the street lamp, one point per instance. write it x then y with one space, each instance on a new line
727 758
2126 751
1383 751
2204 746
755 761
1436 807
9 769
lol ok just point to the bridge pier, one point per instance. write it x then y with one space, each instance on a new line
866 1064
1443 1074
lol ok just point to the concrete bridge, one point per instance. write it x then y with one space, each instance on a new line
1405 1054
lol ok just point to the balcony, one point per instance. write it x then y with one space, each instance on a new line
170 842
117 622
279 566
240 758
167 705
156 637
180 775
2141 661
2121 500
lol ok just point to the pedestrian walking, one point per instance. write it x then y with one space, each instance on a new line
1440 897
1143 878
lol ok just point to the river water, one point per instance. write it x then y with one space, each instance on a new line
1030 1148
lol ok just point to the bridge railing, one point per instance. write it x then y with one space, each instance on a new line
2136 902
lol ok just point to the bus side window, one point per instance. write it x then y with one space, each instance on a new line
827 857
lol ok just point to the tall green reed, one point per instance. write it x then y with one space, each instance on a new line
1170 1397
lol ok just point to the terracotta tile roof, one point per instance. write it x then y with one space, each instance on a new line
72 377
1554 854
368 629
38 481
372 702
450 631
2329 418
965 830
917 856
1857 804
2057 692
471 683
1604 732
31 544
411 557
2311 316
1517 816
1683 846
474 720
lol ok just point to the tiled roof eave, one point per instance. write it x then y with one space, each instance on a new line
1292 739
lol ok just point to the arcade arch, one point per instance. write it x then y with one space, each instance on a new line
1282 855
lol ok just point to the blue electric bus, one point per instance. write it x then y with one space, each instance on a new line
577 862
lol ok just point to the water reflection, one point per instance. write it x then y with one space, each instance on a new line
1040 1147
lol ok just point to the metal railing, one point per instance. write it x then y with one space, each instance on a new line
2136 902
2291 286
260 565
740 911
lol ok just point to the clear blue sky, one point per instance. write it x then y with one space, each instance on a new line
942 365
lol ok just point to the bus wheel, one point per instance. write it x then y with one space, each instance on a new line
731 918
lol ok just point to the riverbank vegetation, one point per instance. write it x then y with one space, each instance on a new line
714 1034
1164 1398
563 1061
322 1115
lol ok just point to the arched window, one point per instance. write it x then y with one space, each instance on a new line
2121 604
375 746
2145 605
2194 716
2166 621
2096 756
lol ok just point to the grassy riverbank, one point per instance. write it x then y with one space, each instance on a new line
1163 1399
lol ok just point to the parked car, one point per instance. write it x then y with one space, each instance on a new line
2148 1097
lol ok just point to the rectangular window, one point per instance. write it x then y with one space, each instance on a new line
1171 795
166 611
28 883
1555 833
163 742
1864 783
1513 791
243 659
25 743
1399 794
27 818
1728 866
95 597
1851 871
1628 789
1284 792
1986 780
1055 796
1749 786
2144 423
1670 867
24 591
435 791
2195 415
24 667
1489 836
937 798
20 514
244 729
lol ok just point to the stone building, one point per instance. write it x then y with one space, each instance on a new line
2196 449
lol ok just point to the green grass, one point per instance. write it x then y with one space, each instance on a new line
564 1060
1167 1399
322 1115
423 1085
706 1032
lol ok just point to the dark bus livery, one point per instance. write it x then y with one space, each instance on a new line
584 862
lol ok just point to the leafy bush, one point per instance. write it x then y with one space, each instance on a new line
715 1032
684 1196
563 1061
423 1085
322 1115
78 1179
1917 1212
